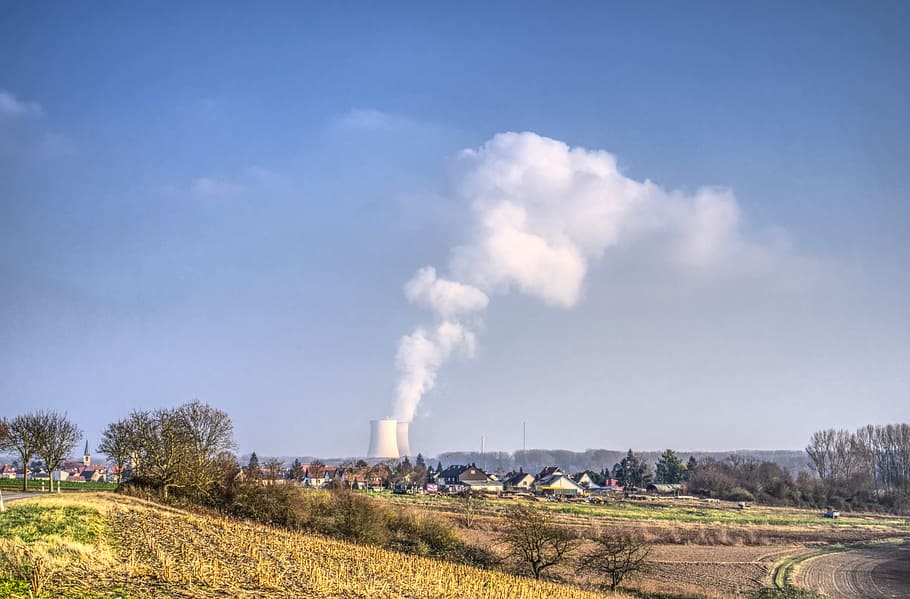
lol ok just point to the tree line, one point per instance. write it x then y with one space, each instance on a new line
45 434
867 466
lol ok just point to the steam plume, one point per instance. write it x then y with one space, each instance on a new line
542 211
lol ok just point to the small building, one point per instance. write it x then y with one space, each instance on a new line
664 488
518 481
559 484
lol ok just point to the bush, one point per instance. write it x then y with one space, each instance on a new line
277 505
740 494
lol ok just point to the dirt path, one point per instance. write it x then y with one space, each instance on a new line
873 572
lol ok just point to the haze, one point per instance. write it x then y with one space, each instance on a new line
672 226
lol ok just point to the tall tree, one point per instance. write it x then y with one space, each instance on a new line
57 436
118 444
23 438
208 431
273 466
296 472
253 469
691 466
632 471
669 468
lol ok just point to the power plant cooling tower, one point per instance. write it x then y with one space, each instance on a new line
404 446
384 439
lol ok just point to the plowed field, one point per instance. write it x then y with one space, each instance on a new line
875 572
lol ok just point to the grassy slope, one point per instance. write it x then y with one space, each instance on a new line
122 547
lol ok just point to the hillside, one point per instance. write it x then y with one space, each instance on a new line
105 545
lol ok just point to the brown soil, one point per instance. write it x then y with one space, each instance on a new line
876 572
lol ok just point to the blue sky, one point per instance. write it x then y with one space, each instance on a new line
225 203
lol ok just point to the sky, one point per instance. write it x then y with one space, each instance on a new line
662 225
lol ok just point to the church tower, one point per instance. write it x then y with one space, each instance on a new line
87 458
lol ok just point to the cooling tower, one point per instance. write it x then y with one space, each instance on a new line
383 439
404 446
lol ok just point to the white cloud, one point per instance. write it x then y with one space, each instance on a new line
369 119
543 211
11 107
246 180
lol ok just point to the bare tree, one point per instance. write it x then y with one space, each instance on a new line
57 436
534 539
615 557
23 436
174 448
208 432
118 444
161 450
273 465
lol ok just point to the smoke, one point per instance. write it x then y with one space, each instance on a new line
541 213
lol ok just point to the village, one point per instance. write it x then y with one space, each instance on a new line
73 471
402 478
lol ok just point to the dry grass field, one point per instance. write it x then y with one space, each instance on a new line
104 545
713 551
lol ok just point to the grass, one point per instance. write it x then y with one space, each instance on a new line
687 513
138 550
41 540
13 484
32 522
665 510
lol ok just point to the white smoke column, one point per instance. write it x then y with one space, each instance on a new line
542 211
420 355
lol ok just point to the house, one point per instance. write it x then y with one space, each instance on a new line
558 484
518 481
450 477
549 471
585 480
7 471
478 481
455 479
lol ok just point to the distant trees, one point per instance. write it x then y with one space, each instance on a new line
56 438
669 468
23 438
632 471
253 469
873 462
615 556
534 539
48 435
296 472
273 467
117 443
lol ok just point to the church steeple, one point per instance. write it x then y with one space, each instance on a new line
87 458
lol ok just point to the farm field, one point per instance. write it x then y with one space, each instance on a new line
114 546
877 571
713 551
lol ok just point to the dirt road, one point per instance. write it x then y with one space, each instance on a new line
873 572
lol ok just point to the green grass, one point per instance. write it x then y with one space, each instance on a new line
686 512
13 484
694 513
32 522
